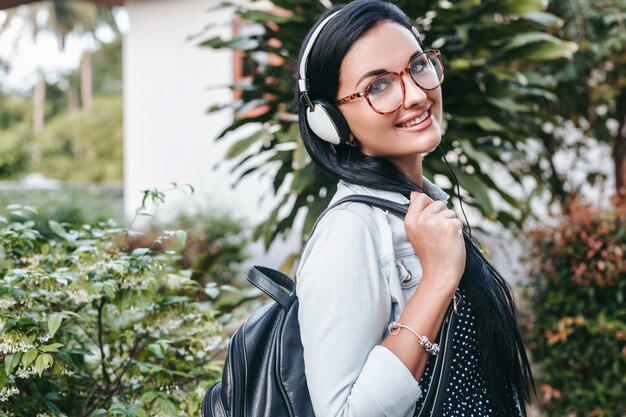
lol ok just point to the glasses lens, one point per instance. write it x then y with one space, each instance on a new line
426 70
385 93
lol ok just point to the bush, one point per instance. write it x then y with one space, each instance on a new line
577 327
90 328
85 145
74 204
15 150
214 250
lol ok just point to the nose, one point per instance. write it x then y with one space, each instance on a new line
412 93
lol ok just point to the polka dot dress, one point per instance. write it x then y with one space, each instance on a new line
466 394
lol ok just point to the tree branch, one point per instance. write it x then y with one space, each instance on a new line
112 388
105 374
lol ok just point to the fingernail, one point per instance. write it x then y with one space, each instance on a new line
413 195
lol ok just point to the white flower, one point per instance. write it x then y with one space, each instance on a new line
7 392
25 373
137 282
44 338
81 296
14 342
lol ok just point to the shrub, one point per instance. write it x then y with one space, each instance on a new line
215 245
85 145
577 323
74 204
15 150
214 250
89 328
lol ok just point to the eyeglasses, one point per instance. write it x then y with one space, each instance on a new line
385 93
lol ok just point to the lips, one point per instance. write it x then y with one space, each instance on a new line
415 119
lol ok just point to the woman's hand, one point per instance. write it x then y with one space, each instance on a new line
436 235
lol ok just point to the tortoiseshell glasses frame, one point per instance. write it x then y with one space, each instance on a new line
431 56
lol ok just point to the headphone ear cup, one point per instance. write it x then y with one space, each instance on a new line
327 122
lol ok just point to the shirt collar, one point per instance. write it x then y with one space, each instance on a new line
434 191
431 189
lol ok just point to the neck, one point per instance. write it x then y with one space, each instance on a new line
411 168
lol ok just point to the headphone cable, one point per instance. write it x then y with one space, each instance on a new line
458 190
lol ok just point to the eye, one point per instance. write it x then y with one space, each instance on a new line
379 85
419 65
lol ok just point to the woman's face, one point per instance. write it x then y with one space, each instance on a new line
389 46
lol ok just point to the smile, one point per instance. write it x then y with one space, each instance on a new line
419 119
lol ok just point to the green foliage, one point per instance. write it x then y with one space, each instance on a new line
15 135
90 326
106 64
214 245
85 145
592 87
577 326
214 248
13 109
15 150
72 205
491 105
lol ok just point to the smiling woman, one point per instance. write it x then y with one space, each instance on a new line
370 106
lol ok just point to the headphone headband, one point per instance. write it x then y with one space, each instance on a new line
303 83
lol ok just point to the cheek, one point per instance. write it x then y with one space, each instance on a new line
365 124
435 97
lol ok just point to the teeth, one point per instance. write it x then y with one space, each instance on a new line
417 120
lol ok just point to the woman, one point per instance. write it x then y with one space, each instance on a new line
370 106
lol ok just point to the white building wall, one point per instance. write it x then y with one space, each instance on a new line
169 83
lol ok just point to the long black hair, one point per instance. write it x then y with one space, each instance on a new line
504 363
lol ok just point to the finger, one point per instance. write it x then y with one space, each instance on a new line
457 224
448 214
435 207
419 202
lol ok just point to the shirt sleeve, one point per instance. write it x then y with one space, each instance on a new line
345 306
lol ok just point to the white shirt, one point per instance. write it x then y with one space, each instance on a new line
356 274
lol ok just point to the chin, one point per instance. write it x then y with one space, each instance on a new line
426 145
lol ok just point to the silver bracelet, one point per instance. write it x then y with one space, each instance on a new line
430 347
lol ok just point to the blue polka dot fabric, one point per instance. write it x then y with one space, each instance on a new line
466 394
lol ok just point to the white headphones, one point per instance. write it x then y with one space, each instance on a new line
322 116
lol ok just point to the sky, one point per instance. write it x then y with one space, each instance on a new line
25 54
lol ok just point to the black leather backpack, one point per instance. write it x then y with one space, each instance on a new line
264 371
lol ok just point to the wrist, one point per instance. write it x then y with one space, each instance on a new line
439 286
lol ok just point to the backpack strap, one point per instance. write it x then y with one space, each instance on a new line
392 207
273 283
278 286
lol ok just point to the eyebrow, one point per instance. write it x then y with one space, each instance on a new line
382 71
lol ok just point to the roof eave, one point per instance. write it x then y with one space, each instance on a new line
7 4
